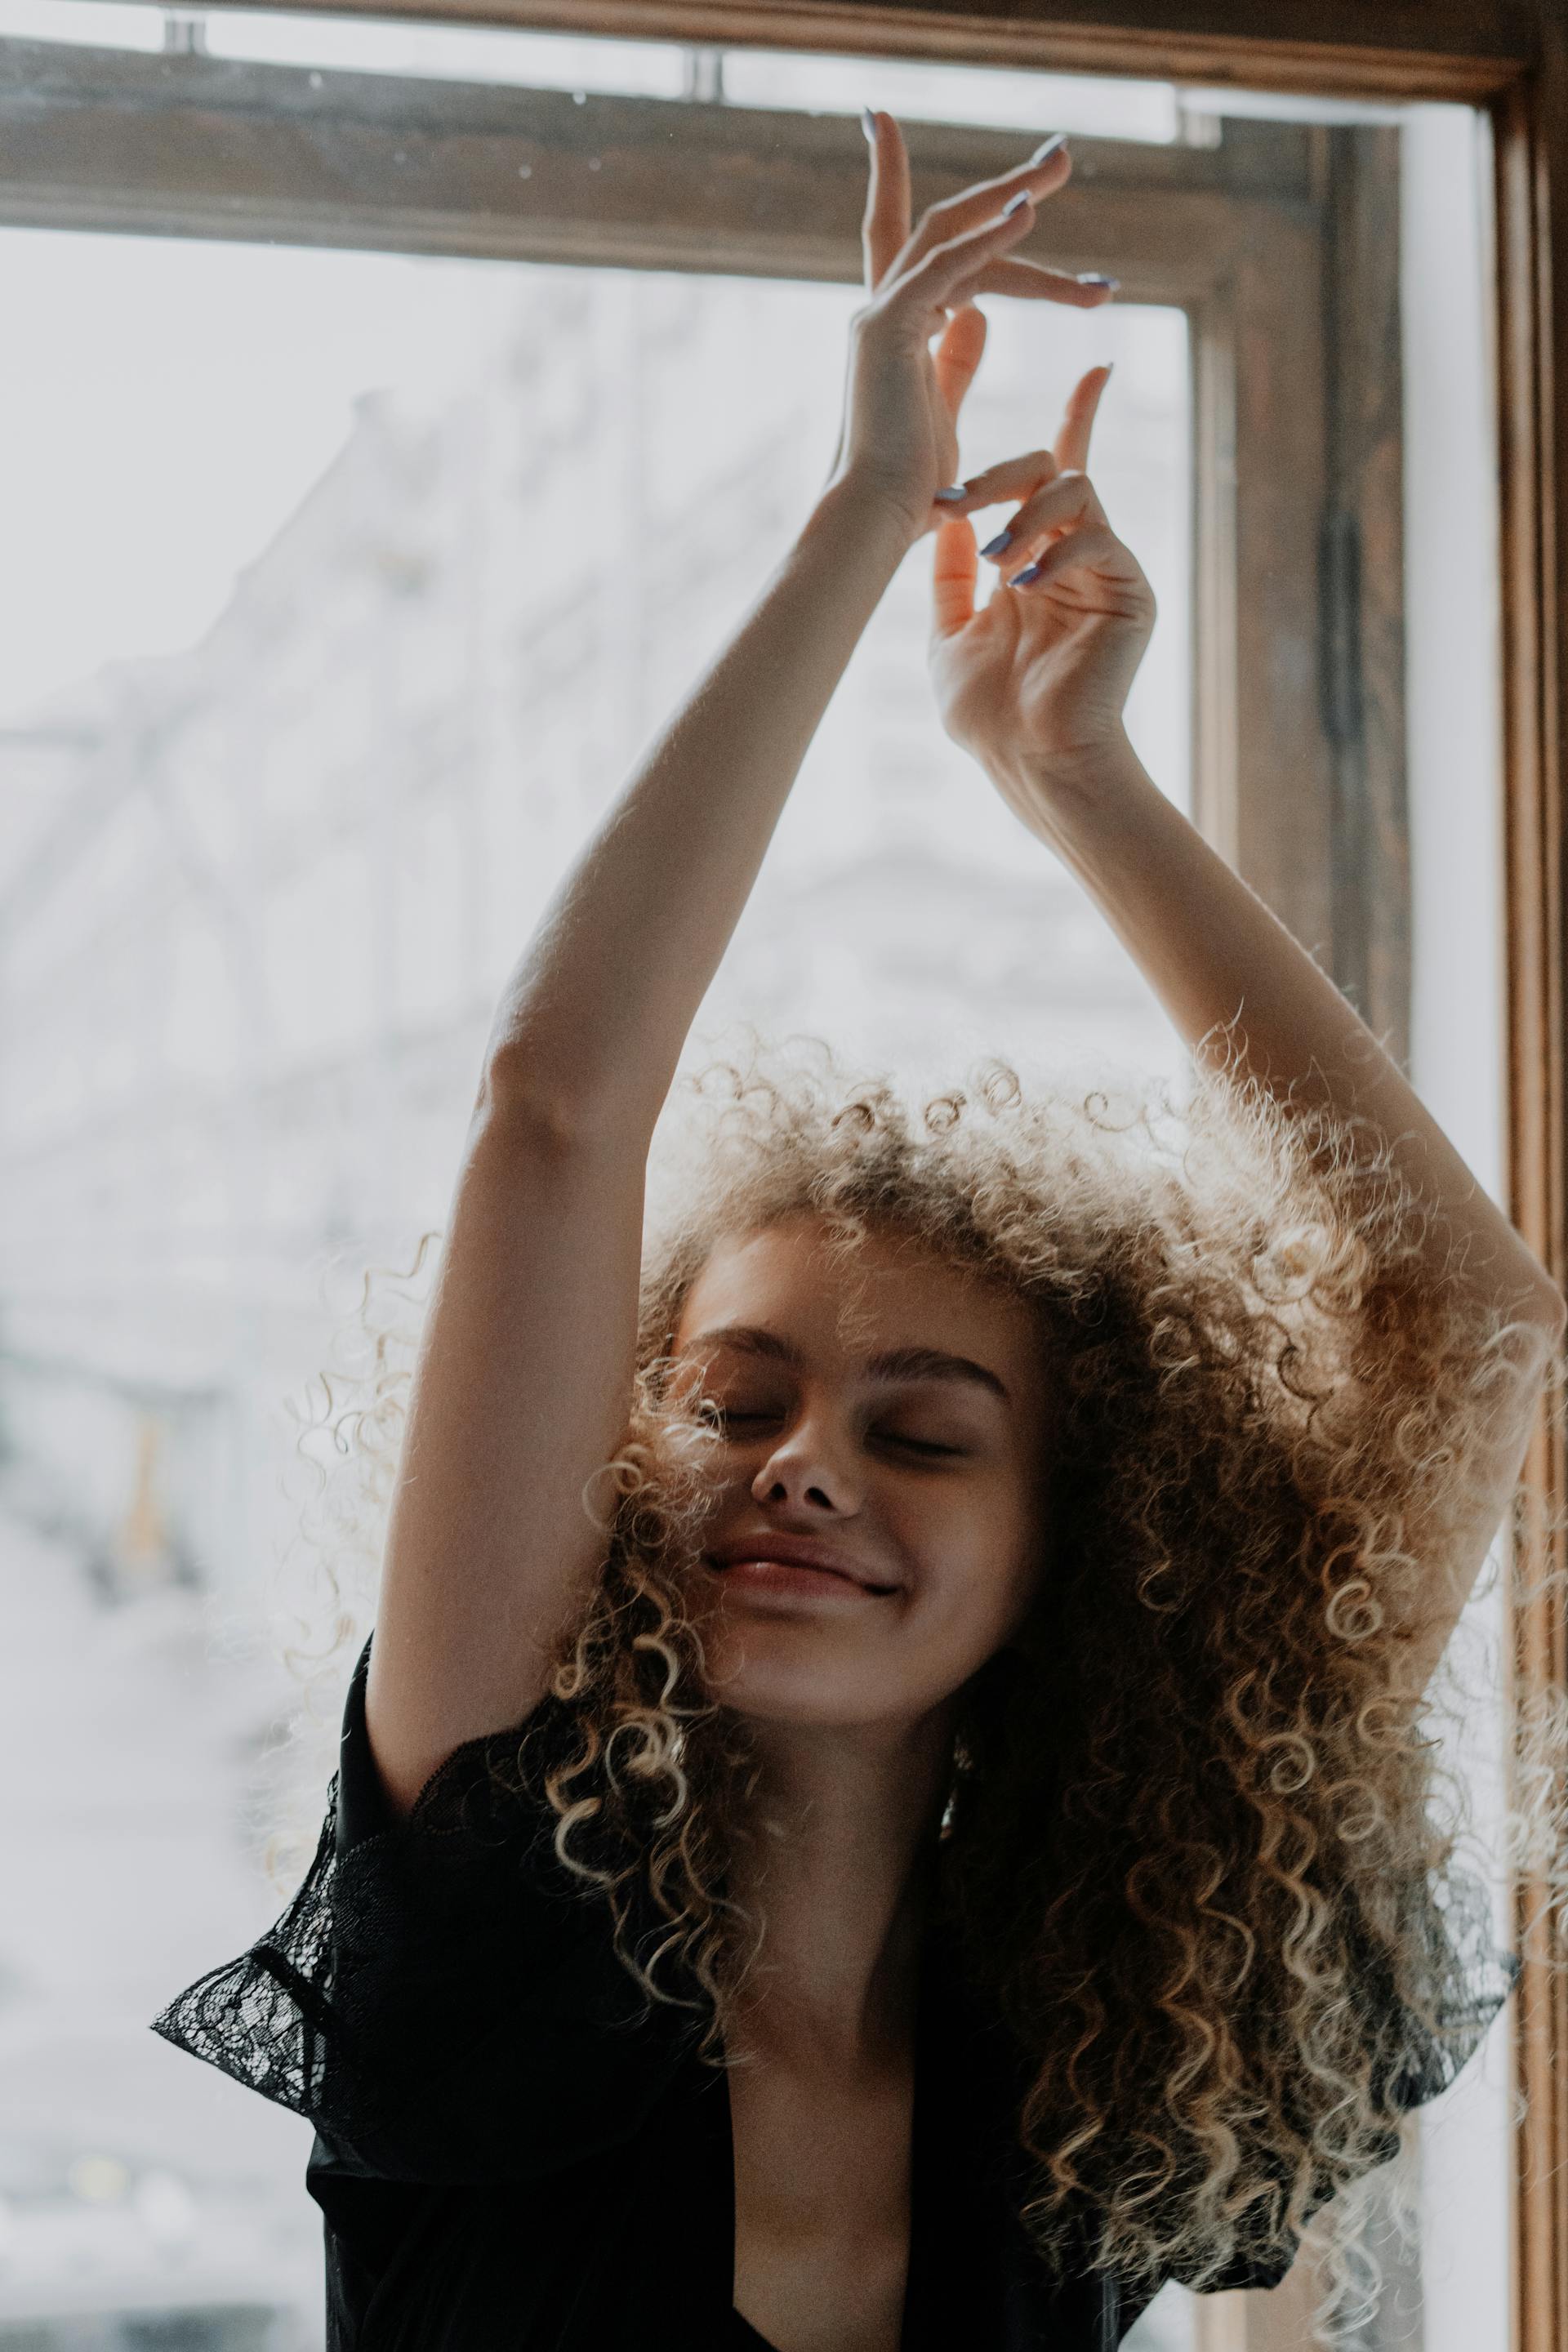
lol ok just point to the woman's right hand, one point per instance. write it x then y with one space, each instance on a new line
898 438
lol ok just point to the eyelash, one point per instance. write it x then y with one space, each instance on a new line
724 1422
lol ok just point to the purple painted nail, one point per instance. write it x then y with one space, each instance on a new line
994 546
1041 155
957 491
1015 203
868 123
1022 579
1097 278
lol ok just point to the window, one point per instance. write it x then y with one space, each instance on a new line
379 506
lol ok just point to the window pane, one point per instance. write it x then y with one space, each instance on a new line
953 93
357 584
353 586
1458 1052
104 23
459 52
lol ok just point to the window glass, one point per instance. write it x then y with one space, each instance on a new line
458 52
357 584
950 93
344 589
101 24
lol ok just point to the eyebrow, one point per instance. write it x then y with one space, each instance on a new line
894 1364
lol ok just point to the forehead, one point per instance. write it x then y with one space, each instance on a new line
889 1294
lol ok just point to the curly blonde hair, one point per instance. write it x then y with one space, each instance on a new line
1211 1886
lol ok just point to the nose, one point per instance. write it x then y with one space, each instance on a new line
810 1467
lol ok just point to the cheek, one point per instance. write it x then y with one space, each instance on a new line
967 1616
975 1557
978 1533
983 1590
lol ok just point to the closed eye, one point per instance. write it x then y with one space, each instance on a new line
723 1420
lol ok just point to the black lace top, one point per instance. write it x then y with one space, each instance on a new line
514 2149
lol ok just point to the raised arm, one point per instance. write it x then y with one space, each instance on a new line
1033 683
523 1387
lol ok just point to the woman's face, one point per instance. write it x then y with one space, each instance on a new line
902 1454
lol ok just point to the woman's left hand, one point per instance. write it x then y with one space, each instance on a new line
1034 681
917 340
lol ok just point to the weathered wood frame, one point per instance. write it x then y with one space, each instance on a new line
1511 58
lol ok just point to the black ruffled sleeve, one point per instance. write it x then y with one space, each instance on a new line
1465 1979
441 1995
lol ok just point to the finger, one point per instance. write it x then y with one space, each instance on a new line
885 230
955 571
1013 477
1015 276
1083 405
1068 503
958 357
949 273
1099 552
1040 175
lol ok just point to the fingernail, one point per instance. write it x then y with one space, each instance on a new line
1058 138
957 491
868 123
1022 579
1015 203
994 546
1097 278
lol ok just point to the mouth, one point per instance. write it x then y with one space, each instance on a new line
796 1564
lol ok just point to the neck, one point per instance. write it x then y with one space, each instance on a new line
840 1868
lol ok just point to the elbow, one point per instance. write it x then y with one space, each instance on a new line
548 1117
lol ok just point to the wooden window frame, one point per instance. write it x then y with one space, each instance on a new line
1510 58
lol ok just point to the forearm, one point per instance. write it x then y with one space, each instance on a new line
1241 992
595 1016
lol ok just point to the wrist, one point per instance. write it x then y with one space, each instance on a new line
850 505
1082 775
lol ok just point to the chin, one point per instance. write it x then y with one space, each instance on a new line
753 1672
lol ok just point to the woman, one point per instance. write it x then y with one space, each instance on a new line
940 1844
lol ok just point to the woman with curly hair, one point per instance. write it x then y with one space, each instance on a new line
886 1805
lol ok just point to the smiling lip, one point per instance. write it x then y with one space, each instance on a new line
791 1564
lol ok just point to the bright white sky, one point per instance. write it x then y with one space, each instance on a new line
167 405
